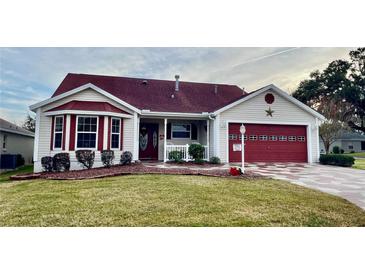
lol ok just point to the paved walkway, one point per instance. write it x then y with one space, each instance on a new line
347 183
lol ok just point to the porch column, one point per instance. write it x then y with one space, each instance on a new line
164 141
208 139
67 132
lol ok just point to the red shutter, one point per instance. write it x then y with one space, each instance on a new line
64 132
72 132
101 133
109 130
52 133
121 134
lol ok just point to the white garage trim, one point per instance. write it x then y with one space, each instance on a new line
308 130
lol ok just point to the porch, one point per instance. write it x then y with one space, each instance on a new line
158 137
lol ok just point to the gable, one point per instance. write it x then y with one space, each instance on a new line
254 109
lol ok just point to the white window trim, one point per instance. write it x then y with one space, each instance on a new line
181 138
54 132
111 132
5 141
97 131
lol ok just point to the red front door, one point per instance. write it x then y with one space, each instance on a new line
268 143
148 141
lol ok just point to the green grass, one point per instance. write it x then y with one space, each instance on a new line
4 177
169 200
359 164
357 154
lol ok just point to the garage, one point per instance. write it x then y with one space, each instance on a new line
268 143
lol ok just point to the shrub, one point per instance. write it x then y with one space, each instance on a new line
215 160
352 151
47 163
107 157
61 162
175 156
126 158
336 150
85 157
19 160
199 161
196 151
336 160
342 151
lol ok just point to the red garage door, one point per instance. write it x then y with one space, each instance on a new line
268 143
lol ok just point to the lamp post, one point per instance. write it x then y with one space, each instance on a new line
243 131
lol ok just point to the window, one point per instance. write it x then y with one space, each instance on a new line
5 138
300 138
273 138
244 138
292 138
351 147
58 132
282 138
253 137
232 136
115 133
86 132
181 131
263 138
362 145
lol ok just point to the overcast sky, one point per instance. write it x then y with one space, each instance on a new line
29 75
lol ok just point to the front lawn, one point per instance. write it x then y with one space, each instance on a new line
359 164
21 170
170 200
357 154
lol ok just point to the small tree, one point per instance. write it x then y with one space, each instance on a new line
86 158
126 158
197 152
61 162
107 157
329 131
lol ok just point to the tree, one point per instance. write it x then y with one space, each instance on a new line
341 84
29 123
329 131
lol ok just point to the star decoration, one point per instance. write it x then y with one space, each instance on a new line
269 112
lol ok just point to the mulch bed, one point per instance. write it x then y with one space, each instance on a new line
117 170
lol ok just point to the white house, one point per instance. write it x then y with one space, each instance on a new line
150 118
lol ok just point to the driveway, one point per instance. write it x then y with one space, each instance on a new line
347 183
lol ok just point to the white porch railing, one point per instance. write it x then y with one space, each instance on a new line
184 150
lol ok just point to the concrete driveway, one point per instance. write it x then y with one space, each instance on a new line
347 183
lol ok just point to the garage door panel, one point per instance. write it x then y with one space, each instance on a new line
269 143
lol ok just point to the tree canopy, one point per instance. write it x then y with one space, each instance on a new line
338 92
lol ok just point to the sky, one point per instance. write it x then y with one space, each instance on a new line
30 75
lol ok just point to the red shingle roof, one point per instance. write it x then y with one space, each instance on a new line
156 95
89 106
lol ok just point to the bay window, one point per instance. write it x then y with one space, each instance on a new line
58 132
115 133
86 134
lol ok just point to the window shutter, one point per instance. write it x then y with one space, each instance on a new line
72 132
101 133
168 131
194 132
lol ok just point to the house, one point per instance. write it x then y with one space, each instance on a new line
151 118
15 140
348 141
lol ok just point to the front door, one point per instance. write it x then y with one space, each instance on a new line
148 141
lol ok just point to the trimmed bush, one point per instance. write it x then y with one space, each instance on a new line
215 160
47 163
19 160
176 156
107 157
126 158
342 151
337 160
85 157
196 151
61 162
199 161
336 150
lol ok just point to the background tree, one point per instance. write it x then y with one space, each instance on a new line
29 123
341 84
329 131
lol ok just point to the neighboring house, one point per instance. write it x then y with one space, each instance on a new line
348 141
16 140
150 118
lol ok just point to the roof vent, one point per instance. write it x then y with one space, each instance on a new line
216 89
144 82
177 82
